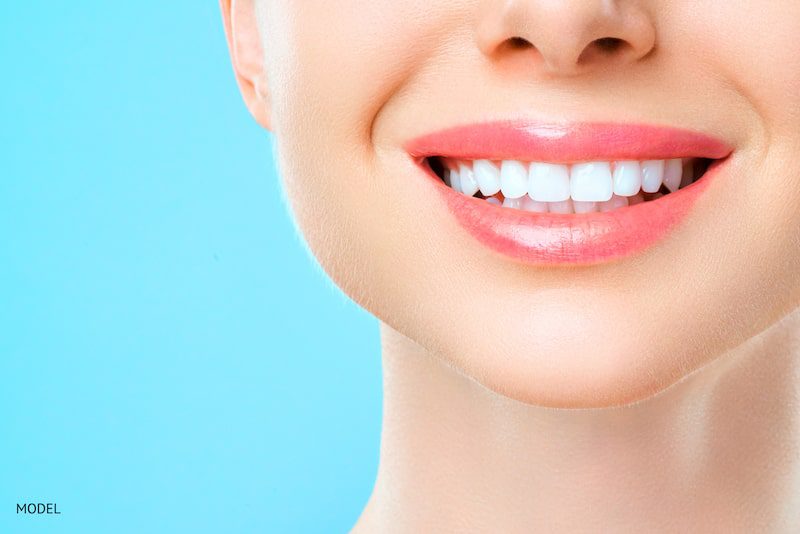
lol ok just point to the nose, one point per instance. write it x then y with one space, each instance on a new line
566 37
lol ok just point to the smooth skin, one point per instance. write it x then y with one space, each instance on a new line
657 392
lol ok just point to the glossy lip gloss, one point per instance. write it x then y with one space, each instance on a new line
580 238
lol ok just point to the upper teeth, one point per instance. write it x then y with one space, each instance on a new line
595 181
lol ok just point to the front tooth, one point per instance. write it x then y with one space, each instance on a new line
548 182
564 206
455 180
468 184
515 203
513 179
673 170
528 204
494 201
652 175
487 174
627 178
591 181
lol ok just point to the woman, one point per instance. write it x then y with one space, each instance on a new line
578 224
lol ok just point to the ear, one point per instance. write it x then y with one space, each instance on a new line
247 55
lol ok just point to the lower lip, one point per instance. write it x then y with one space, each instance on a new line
574 239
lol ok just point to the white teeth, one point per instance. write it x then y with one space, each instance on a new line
513 179
548 182
591 181
455 180
528 204
582 187
468 184
673 170
584 207
615 202
565 206
627 178
487 175
652 175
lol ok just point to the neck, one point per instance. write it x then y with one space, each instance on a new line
718 451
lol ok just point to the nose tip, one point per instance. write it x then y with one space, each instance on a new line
567 37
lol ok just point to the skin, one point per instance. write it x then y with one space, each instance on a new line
652 361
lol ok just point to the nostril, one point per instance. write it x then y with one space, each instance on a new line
608 44
518 43
605 47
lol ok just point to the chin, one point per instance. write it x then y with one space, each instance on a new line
560 357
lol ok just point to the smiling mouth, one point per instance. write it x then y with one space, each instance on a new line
580 187
568 193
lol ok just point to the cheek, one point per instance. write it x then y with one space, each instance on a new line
323 121
346 59
754 46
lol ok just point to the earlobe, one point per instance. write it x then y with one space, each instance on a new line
247 56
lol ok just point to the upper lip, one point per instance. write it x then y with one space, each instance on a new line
566 142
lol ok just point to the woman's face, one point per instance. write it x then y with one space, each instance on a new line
352 84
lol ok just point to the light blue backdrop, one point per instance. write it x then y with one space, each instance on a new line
171 359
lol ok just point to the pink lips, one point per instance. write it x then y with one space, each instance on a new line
585 238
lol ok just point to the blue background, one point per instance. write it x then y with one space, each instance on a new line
171 358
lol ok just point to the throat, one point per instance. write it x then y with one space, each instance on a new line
706 453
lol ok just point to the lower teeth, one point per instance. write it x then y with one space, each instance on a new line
569 206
